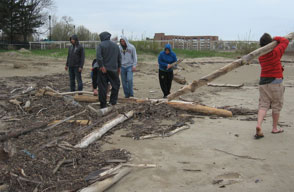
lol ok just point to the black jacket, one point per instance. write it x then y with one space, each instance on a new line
76 54
108 54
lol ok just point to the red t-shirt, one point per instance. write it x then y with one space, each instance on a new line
271 62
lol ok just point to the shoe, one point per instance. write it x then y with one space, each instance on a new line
256 136
279 131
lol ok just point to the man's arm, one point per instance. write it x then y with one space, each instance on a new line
281 47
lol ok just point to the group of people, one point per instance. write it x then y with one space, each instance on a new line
112 60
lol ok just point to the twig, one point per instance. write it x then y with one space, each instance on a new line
58 165
16 89
41 111
24 179
66 119
240 156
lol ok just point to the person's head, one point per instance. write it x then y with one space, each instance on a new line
265 39
104 36
123 42
74 39
167 49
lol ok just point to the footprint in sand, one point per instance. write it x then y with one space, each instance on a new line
227 179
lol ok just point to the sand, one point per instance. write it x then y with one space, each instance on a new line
215 154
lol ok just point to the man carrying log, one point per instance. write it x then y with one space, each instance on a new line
109 62
166 74
271 89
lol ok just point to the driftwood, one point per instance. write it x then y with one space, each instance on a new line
225 85
60 163
86 98
22 132
79 122
100 186
177 62
235 64
101 112
165 134
200 109
98 133
179 79
62 121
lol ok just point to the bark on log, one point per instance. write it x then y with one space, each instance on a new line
179 79
201 109
98 133
235 64
86 98
101 186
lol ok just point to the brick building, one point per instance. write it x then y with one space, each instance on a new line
187 42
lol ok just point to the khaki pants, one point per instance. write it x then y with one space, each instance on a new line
271 96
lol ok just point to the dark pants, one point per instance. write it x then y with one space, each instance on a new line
75 74
103 79
94 76
165 80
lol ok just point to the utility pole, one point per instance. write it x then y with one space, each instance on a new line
49 27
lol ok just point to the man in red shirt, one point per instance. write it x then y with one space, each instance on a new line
271 89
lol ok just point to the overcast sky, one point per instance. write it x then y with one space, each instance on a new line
228 19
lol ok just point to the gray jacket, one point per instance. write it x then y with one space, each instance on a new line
128 55
76 54
107 53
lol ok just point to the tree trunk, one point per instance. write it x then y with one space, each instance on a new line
200 109
98 133
179 79
235 64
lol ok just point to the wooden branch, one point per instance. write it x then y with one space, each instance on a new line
98 133
21 132
76 92
79 122
86 98
101 112
225 85
66 119
235 64
201 109
177 62
101 186
184 127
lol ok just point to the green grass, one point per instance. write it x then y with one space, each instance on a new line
154 51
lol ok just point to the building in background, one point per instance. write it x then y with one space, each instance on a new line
187 42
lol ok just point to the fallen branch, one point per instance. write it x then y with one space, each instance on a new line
101 186
79 122
235 64
66 119
165 134
60 163
201 109
101 112
240 156
98 133
24 179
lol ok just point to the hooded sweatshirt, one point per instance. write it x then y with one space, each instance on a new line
165 59
76 54
107 53
128 54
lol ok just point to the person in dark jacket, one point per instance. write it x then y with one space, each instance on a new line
109 63
94 76
165 59
75 63
271 89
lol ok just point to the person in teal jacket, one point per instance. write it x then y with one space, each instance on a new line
166 74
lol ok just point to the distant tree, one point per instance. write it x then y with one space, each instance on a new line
23 17
63 29
83 33
95 37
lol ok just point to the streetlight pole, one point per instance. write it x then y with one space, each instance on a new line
49 27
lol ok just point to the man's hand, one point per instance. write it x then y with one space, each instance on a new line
95 92
169 66
80 69
66 68
134 68
103 69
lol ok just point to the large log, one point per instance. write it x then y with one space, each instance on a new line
235 64
98 133
179 79
200 109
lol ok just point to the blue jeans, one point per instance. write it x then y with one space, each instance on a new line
127 81
75 74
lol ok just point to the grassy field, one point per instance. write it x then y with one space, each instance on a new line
91 53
